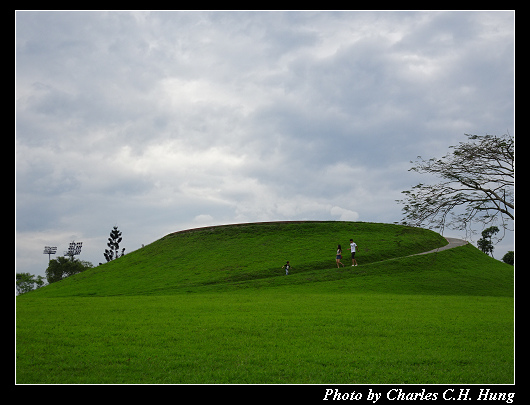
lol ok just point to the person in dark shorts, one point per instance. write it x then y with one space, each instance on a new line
339 256
353 247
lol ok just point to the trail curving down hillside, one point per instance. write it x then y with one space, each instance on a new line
453 242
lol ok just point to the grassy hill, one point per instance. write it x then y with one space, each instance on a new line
213 305
214 256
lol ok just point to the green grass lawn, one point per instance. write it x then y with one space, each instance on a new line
266 337
179 316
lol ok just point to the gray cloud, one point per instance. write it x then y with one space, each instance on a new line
158 121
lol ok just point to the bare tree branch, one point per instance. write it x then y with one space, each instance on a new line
478 185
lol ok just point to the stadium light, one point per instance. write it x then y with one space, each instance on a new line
50 250
74 249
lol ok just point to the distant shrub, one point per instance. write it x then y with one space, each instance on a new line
508 257
63 267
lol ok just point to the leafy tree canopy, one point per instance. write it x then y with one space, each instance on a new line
62 267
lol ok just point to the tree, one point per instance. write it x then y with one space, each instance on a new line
62 267
477 186
26 282
485 243
114 245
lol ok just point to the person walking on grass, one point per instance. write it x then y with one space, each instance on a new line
286 266
339 256
353 247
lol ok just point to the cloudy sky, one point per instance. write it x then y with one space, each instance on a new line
163 121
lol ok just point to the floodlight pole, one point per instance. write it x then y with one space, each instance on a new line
50 250
74 249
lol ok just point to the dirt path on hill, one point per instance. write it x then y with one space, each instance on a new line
453 242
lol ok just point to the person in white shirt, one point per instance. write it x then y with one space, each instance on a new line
353 245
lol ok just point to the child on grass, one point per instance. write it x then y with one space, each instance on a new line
286 266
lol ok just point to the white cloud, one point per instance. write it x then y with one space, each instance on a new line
344 214
204 220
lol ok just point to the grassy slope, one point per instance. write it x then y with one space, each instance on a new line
216 255
462 271
438 318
